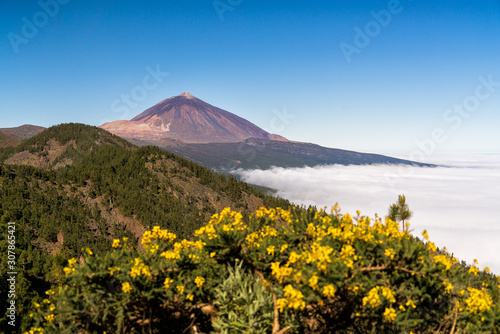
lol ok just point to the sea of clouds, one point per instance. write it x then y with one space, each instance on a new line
458 203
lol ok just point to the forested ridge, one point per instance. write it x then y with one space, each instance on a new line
75 186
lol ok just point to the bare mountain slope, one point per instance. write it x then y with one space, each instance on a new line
189 119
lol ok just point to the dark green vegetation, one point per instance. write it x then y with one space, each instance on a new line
8 140
75 186
263 154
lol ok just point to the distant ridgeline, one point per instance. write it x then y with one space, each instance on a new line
75 186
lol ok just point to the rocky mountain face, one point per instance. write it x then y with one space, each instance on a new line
190 120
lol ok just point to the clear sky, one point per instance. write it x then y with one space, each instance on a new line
374 76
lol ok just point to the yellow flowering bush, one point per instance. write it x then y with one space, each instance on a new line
309 271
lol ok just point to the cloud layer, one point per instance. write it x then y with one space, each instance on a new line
459 205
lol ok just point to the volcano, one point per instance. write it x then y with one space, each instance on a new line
189 119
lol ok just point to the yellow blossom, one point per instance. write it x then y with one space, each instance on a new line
199 281
116 243
126 287
390 314
329 291
474 270
167 283
270 250
410 303
389 252
478 301
112 270
313 282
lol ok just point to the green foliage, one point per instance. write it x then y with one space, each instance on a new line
400 212
243 304
318 272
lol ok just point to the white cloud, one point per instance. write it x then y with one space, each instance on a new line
458 205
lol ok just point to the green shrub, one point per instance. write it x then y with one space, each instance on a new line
279 271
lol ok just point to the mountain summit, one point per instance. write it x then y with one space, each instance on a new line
189 119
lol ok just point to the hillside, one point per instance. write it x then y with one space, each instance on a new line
23 132
8 140
75 186
262 154
15 136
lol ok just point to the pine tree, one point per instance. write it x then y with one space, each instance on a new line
400 212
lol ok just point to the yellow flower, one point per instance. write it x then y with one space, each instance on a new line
49 292
167 283
189 297
431 246
116 243
474 270
180 289
373 297
52 307
270 250
126 287
71 262
426 235
281 304
293 298
68 270
112 270
313 282
49 317
390 314
478 301
389 252
411 304
294 257
199 281
329 291
139 269
448 286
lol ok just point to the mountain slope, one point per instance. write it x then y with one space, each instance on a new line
8 140
15 136
261 154
23 132
189 119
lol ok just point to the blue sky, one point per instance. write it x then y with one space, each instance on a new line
424 79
